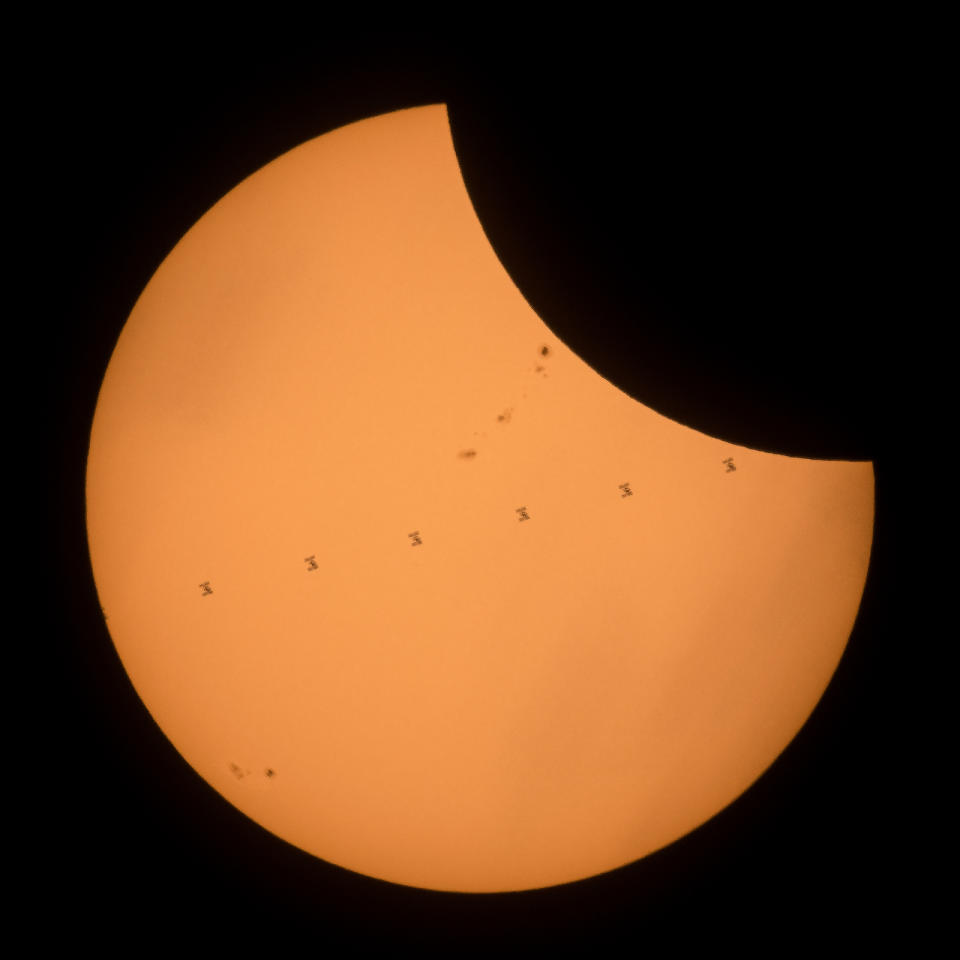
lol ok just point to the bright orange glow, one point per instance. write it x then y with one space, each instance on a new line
473 619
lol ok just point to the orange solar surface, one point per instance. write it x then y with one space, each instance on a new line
409 583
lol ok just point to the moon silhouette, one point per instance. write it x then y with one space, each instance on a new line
408 582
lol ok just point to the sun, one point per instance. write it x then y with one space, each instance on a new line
410 584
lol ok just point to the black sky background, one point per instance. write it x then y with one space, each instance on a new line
710 233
